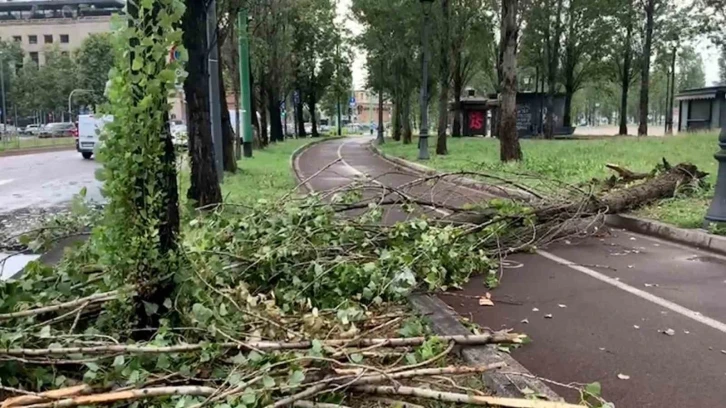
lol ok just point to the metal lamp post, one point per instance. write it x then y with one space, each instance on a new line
70 102
717 211
423 136
2 81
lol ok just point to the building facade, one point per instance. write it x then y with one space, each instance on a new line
701 109
39 26
365 109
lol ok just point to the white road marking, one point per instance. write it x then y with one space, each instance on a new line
6 181
691 314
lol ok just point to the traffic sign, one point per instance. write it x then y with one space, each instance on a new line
352 101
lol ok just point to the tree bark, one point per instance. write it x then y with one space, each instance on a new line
228 135
396 121
253 106
625 80
671 97
441 147
264 135
204 184
458 85
299 119
569 94
313 119
275 122
554 62
407 131
645 73
508 138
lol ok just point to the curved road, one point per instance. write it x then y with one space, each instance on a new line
621 303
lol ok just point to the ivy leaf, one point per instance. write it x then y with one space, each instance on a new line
594 389
268 381
119 361
202 313
356 358
296 378
92 366
249 397
222 310
239 359
44 332
163 362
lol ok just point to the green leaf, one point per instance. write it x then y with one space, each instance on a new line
44 332
594 389
202 313
356 358
296 378
222 310
92 366
118 361
239 359
137 64
163 362
249 397
268 382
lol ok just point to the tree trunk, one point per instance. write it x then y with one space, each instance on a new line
569 94
396 121
275 122
645 73
456 126
313 119
554 60
508 138
299 119
264 135
671 97
407 131
228 135
154 280
441 147
253 106
204 184
625 80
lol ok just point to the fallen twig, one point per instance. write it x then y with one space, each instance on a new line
97 297
463 398
130 395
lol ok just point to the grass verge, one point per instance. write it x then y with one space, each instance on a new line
579 161
15 143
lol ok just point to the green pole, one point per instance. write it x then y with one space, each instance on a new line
244 80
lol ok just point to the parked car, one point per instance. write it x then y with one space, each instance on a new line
32 130
58 129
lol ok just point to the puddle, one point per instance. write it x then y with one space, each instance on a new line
11 264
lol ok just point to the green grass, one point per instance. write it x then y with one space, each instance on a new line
14 143
267 175
579 161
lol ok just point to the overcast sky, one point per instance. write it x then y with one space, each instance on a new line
708 52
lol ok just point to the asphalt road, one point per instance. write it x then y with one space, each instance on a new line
45 180
644 317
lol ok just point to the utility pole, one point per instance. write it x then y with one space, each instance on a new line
215 112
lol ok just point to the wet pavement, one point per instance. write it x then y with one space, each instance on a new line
33 186
620 303
45 180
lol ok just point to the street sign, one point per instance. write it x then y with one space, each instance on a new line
352 101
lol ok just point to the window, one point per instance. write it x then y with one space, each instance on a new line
17 38
34 57
32 39
48 39
64 39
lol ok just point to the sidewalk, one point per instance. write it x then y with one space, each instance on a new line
611 298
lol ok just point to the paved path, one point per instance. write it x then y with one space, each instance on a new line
611 298
45 180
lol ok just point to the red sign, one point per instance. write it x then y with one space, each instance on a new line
476 120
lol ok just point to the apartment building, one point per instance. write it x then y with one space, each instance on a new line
39 25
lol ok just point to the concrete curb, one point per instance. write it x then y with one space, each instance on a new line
497 191
505 383
23 152
295 156
693 237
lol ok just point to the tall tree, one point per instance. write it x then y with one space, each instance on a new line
722 66
553 35
444 79
650 10
510 149
94 60
204 185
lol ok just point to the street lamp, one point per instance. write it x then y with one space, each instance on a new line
423 136
717 211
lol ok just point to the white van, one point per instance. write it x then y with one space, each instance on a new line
89 130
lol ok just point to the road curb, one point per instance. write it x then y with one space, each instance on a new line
294 157
23 152
693 237
507 383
